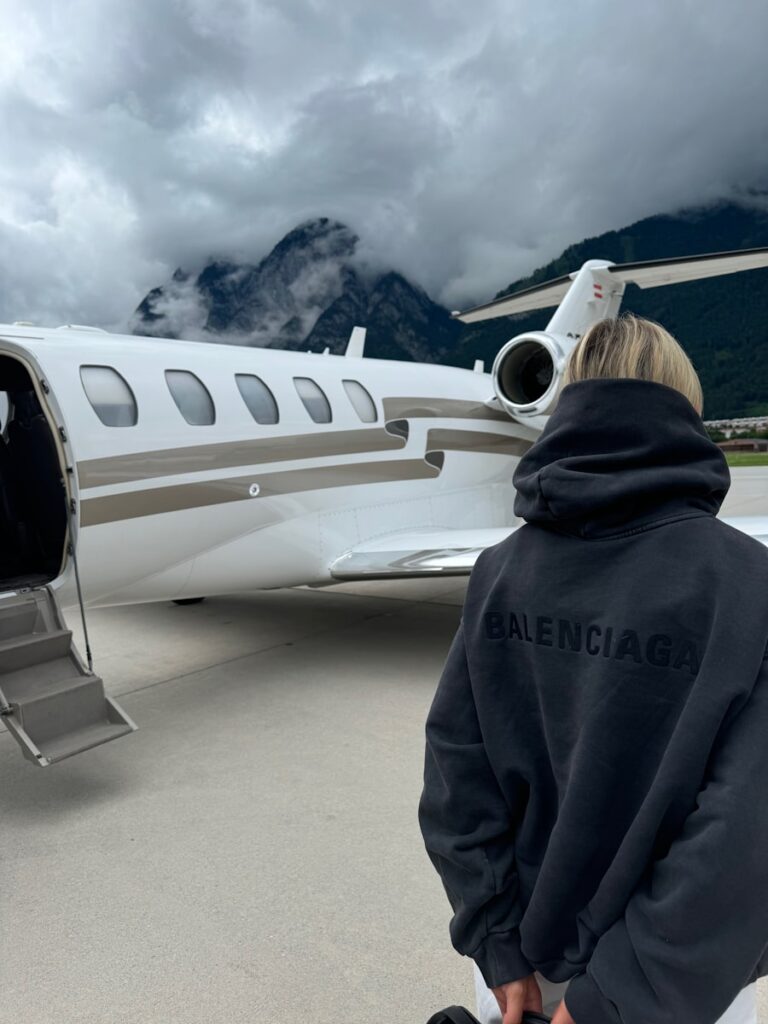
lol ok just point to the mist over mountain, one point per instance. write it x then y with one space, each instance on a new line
315 286
307 293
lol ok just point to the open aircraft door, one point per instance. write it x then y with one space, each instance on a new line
51 702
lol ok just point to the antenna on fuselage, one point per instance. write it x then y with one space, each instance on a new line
356 343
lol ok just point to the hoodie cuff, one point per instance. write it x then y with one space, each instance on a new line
500 959
587 1004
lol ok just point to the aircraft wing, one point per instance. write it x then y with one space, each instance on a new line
413 553
419 553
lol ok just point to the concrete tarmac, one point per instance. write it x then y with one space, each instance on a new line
748 493
252 854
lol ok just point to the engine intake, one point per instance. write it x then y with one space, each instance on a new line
527 373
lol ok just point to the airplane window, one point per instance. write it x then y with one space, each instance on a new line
314 399
363 404
110 396
257 396
192 397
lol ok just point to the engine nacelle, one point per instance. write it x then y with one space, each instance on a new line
527 372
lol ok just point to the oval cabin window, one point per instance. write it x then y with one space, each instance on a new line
257 396
313 397
192 397
363 404
110 396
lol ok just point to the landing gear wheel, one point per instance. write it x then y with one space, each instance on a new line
188 600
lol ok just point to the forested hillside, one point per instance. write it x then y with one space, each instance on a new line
722 323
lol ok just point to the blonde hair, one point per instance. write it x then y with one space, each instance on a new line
630 346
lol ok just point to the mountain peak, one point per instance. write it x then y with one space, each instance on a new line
320 236
307 292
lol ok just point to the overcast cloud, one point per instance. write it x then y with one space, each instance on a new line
466 143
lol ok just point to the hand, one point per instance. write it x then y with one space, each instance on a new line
517 996
561 1015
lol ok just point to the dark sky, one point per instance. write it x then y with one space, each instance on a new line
466 143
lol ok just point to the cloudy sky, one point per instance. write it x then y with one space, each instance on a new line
466 143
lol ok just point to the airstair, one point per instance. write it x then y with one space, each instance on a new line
50 702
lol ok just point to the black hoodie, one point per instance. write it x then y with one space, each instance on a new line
596 775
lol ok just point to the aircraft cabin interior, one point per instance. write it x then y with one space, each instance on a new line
33 513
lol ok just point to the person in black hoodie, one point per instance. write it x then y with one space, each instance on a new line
596 762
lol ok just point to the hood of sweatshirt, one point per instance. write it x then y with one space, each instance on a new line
619 454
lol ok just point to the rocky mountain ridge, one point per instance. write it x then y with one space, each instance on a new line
307 293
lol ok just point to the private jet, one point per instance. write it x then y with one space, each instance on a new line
145 469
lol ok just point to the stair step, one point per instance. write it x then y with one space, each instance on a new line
57 708
59 748
72 704
32 649
84 739
18 619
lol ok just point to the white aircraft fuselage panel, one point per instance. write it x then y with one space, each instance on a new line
166 508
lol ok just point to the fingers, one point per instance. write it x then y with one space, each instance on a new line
501 998
517 996
511 999
562 1016
533 996
515 1002
514 1013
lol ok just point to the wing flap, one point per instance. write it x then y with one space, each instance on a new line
417 553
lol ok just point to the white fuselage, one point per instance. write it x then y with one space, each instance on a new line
167 509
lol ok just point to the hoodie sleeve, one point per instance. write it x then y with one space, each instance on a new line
696 926
468 828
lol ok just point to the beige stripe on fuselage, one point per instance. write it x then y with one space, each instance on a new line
122 469
152 501
440 408
444 439
148 465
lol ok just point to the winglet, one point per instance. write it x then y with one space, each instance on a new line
356 343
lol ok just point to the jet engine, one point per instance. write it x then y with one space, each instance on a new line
527 373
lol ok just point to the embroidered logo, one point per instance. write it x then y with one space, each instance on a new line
656 649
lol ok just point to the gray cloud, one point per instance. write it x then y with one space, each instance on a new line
464 143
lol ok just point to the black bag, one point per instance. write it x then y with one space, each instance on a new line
458 1015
